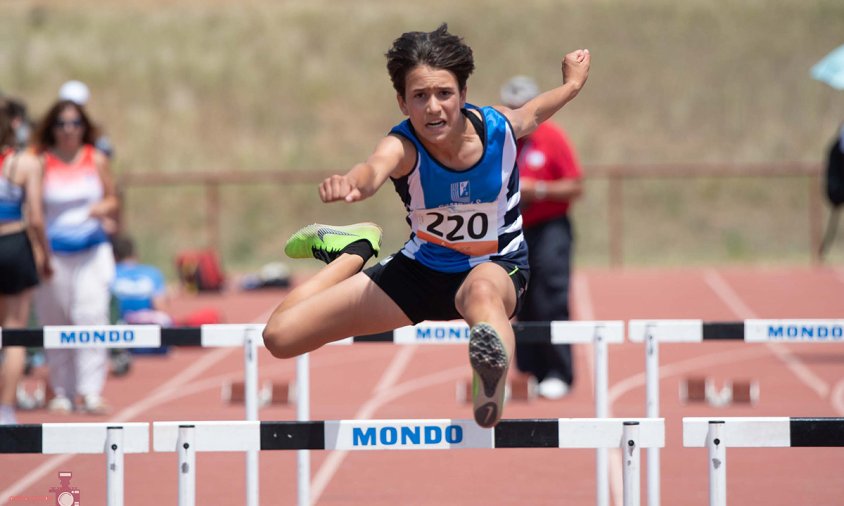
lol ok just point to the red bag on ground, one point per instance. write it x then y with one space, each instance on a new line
200 270
204 316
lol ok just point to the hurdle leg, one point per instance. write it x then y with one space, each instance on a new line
250 387
652 411
114 466
601 411
631 460
187 466
717 464
303 408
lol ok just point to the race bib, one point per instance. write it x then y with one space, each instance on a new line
470 229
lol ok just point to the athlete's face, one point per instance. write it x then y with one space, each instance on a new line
432 101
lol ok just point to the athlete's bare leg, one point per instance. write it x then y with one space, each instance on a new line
487 295
343 267
330 307
14 312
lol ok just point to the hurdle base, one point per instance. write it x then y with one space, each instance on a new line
702 389
269 393
520 388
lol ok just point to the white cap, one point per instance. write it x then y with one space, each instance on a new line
75 91
518 90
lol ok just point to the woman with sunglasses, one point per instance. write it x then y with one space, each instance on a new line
24 252
81 208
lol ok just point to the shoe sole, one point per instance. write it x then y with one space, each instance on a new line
489 363
297 246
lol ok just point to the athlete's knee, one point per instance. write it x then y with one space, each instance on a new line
478 292
279 338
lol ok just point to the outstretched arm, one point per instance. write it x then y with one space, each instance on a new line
526 118
390 158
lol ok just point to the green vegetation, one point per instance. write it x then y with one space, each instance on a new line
300 85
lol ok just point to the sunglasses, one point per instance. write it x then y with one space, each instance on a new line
75 123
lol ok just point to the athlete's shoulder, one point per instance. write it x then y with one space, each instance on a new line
404 129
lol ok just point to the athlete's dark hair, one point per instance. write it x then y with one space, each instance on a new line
44 137
438 49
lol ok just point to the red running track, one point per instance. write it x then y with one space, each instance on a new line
387 381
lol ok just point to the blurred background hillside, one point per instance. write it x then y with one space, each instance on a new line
277 85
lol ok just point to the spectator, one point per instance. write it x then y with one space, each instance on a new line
550 179
21 262
20 122
139 289
81 208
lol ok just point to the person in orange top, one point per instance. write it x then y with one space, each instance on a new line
81 208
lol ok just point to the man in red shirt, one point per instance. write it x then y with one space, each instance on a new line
550 178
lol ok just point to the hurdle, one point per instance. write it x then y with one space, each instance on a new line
188 438
718 434
597 333
74 438
652 332
246 336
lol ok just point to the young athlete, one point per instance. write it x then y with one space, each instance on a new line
453 165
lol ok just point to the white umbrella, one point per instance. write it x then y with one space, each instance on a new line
830 69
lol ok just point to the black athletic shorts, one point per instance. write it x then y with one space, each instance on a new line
425 294
17 264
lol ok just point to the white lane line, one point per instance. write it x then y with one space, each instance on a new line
583 298
729 296
838 397
132 410
839 273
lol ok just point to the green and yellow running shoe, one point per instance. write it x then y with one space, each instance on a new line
327 242
489 379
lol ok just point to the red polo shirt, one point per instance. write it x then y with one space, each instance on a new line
546 155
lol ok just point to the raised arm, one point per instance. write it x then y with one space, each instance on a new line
390 158
526 118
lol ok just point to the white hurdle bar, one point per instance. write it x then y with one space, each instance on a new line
718 434
597 333
652 332
187 438
114 440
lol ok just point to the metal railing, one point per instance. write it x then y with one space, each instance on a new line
615 175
